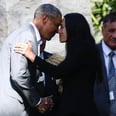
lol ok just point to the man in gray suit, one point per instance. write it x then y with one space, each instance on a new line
19 92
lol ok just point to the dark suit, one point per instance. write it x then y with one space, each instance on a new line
102 90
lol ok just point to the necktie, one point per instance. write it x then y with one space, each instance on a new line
40 84
111 68
42 46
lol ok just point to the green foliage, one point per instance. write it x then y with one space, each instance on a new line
113 5
99 9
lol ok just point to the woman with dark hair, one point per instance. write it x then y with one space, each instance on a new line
79 69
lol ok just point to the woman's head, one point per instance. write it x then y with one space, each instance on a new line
74 28
77 26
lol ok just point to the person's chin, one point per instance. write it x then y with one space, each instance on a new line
113 46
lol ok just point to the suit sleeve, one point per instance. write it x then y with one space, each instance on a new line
67 67
82 58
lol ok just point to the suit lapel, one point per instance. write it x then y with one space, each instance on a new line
103 68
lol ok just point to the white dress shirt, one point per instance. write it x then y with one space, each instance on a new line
39 40
106 51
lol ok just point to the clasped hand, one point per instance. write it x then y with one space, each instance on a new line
46 104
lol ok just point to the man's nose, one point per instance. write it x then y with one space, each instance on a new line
114 35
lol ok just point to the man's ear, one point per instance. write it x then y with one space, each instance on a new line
44 19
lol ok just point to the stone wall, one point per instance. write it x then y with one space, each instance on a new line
14 13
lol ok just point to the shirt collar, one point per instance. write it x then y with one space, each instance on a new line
106 49
36 32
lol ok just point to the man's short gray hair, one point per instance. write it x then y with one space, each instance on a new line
47 9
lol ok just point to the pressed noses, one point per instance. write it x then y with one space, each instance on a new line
57 30
60 30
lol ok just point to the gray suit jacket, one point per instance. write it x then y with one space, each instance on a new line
18 76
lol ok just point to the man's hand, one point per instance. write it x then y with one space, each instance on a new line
46 104
50 103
